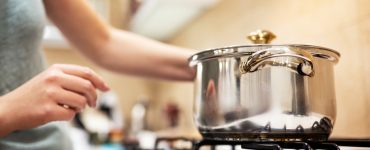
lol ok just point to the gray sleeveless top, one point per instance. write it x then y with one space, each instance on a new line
21 29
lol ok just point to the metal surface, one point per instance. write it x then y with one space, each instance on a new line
265 92
299 61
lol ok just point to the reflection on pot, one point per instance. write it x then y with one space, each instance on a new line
212 106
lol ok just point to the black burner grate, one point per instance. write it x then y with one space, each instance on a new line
290 145
268 145
332 144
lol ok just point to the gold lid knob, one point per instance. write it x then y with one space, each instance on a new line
261 37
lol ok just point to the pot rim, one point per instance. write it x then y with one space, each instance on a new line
232 51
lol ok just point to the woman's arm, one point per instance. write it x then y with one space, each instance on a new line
115 49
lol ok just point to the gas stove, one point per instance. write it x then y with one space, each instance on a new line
192 144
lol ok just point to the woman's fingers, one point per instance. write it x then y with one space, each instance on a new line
63 113
85 73
71 100
80 86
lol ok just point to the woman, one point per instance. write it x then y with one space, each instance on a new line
32 100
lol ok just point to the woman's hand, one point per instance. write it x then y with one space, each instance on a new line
55 94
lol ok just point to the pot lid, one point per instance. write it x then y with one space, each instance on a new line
261 38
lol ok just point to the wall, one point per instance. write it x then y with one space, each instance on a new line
342 25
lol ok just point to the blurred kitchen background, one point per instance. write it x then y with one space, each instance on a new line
343 25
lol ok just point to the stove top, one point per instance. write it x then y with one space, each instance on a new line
308 145
332 144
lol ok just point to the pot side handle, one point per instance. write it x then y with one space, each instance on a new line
295 59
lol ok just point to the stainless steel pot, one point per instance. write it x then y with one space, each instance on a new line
265 92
